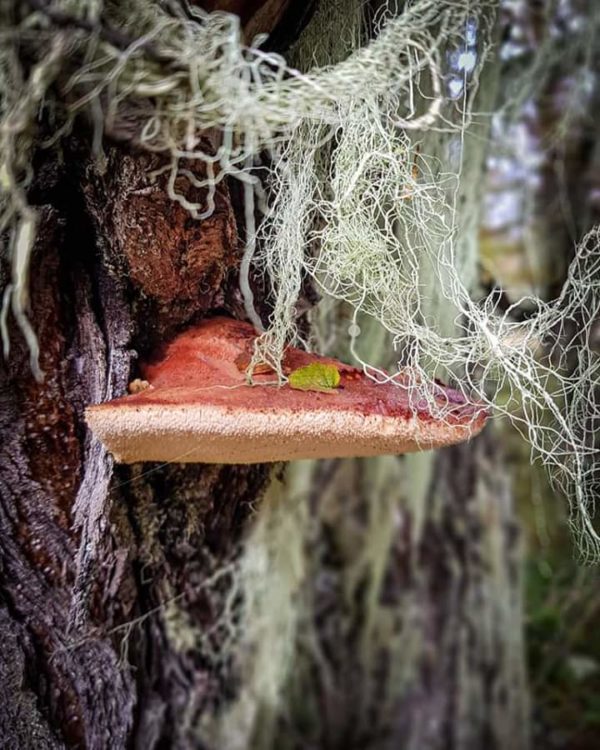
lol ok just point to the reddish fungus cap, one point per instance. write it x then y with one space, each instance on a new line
198 408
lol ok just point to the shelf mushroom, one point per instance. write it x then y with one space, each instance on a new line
194 405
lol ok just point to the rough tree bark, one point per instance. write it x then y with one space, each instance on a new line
89 551
114 268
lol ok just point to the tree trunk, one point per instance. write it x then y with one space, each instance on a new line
116 266
414 583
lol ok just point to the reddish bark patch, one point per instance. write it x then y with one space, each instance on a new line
257 16
171 256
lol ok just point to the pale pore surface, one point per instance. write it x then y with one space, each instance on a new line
208 434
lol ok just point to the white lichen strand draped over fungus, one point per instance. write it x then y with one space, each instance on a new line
356 201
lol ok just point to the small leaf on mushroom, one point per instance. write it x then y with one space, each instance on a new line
324 378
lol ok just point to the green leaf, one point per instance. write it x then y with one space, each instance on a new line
315 377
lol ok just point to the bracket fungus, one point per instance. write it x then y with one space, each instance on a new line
198 407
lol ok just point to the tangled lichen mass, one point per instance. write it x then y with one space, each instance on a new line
366 169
